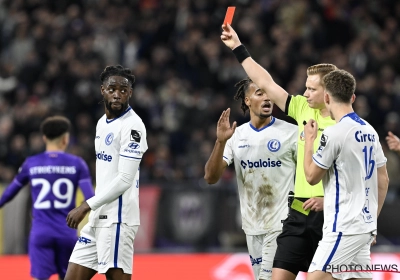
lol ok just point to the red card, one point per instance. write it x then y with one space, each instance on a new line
229 15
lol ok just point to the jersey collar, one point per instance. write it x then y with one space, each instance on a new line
261 129
126 111
354 117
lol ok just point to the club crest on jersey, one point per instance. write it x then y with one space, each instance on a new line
274 145
109 138
302 136
135 135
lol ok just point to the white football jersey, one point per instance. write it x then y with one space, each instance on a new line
265 164
351 152
125 137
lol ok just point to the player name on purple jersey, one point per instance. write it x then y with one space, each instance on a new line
52 169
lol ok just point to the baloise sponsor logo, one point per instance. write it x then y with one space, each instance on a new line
103 156
260 163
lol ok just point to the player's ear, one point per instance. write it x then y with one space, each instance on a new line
66 139
326 98
247 101
353 98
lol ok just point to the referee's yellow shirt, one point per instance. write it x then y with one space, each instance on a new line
299 110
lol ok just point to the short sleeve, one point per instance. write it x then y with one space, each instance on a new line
328 150
297 105
133 141
228 152
380 156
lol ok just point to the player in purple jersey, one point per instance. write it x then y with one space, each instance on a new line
54 177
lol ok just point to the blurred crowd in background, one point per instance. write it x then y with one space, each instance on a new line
52 53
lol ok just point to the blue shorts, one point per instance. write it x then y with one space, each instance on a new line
50 255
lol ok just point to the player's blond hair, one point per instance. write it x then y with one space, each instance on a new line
321 69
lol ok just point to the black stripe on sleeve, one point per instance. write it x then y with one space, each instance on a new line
287 104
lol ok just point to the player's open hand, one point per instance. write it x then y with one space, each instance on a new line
224 128
75 216
311 130
314 204
229 37
393 142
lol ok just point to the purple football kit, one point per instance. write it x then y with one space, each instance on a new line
54 178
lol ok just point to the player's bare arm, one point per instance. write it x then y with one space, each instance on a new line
393 142
383 183
215 165
75 216
313 172
256 73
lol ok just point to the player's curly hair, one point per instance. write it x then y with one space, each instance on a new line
243 86
117 70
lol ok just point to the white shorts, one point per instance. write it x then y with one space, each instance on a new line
344 256
106 247
262 250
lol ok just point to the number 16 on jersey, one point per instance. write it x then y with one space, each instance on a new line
369 163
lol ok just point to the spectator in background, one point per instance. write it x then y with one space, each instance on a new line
54 177
59 48
393 142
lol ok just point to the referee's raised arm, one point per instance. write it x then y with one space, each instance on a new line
255 71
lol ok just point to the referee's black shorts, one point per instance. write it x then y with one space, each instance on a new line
299 240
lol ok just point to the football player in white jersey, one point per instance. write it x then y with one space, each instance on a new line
264 155
352 166
106 242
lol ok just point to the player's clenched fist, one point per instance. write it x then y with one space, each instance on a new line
224 128
311 130
229 37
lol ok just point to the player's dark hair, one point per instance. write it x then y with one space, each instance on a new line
243 86
117 70
341 85
54 127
